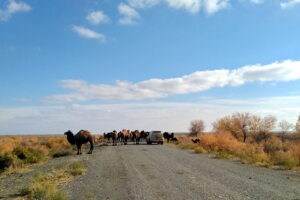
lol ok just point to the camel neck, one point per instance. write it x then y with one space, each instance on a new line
71 139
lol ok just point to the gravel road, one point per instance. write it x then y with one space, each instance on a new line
165 172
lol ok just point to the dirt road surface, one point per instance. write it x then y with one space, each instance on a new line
163 172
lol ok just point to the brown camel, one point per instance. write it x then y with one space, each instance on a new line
126 135
80 138
137 135
112 135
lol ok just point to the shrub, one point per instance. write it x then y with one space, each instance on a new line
272 145
29 155
199 149
284 159
42 189
6 161
76 168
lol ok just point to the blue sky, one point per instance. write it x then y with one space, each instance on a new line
145 64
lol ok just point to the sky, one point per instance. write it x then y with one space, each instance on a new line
102 65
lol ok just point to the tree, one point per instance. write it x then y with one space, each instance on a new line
241 125
241 122
196 127
285 127
237 124
297 127
261 127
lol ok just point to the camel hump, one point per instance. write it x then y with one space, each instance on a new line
84 133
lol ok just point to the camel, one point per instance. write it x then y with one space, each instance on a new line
168 136
112 135
137 135
80 138
196 140
120 137
127 135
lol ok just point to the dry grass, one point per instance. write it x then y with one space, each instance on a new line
47 186
270 153
20 151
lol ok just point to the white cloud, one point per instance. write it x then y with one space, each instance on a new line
143 3
213 6
279 71
289 4
165 116
12 8
97 17
87 33
130 15
192 6
196 82
257 1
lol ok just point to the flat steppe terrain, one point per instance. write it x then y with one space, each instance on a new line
164 172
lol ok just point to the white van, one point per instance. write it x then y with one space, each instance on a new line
155 137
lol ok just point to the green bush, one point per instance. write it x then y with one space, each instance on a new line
41 189
76 168
284 159
29 155
6 161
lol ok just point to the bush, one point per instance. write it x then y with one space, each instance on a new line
42 189
199 150
76 168
29 155
284 159
272 145
6 161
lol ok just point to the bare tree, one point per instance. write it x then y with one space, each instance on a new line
285 127
196 127
237 124
261 127
241 125
297 127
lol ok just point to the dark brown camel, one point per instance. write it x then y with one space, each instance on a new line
168 136
196 140
137 135
80 138
113 135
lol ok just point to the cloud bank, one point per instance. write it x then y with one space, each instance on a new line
165 116
12 8
196 82
289 4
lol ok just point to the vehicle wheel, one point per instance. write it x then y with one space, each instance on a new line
161 142
148 142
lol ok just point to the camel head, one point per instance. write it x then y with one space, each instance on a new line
70 137
68 133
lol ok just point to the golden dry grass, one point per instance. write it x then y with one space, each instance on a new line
270 153
19 151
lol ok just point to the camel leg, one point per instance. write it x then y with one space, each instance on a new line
78 149
91 147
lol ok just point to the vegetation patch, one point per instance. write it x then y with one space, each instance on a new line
17 152
45 187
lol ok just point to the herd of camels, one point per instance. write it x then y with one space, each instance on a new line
84 136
